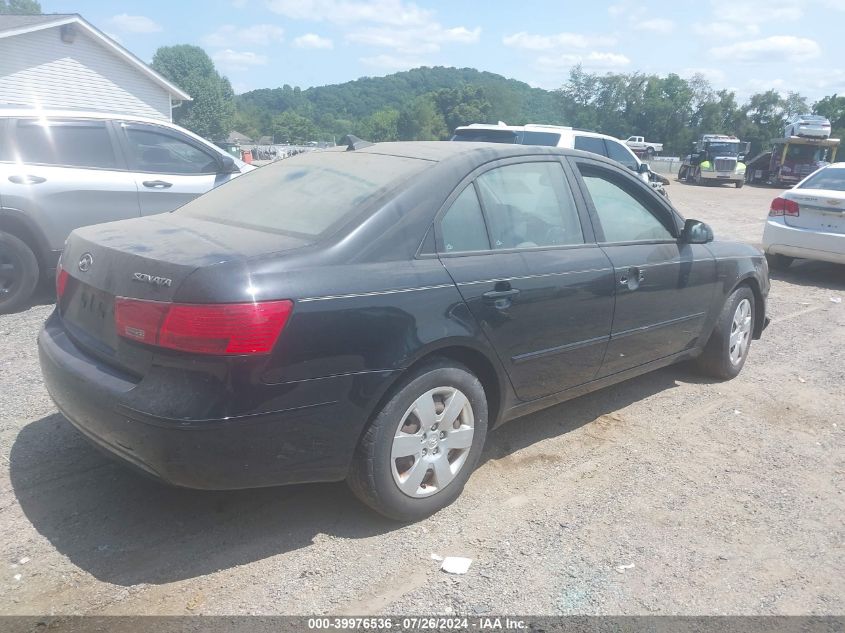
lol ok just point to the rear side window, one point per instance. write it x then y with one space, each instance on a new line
64 143
616 151
529 205
161 153
463 228
307 195
590 144
486 136
540 138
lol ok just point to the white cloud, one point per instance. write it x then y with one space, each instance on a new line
312 40
729 30
657 25
135 23
256 35
774 49
393 12
533 42
427 39
238 60
592 60
391 62
757 11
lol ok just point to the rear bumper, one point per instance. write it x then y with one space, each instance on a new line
309 437
780 239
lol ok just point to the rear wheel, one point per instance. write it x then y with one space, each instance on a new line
739 184
18 273
424 443
729 343
779 262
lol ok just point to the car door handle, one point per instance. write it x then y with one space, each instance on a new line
495 295
157 184
632 278
28 179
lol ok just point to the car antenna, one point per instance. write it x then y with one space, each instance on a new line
353 143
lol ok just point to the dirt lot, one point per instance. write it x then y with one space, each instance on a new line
668 494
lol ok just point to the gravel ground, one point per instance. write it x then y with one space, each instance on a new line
668 494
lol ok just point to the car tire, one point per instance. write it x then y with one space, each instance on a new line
696 177
682 173
649 152
19 273
727 349
739 184
779 262
408 487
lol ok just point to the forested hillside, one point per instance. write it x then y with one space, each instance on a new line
427 103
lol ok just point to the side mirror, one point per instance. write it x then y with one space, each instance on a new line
643 168
696 232
228 165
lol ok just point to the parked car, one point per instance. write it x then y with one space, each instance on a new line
376 309
639 144
560 136
60 170
808 125
808 220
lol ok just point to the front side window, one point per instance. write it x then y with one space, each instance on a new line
623 217
616 151
64 143
591 144
529 205
462 228
161 153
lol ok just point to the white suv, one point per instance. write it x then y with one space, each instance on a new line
60 170
554 136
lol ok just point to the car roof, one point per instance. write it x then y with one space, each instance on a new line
534 127
25 111
439 151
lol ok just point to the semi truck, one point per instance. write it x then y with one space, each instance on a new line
715 158
792 159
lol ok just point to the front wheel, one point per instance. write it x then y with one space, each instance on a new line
727 349
779 262
424 443
739 184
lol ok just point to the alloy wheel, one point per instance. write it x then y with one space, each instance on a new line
740 332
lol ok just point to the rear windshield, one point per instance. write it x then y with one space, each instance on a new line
519 137
307 195
826 179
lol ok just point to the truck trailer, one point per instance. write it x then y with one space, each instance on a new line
791 159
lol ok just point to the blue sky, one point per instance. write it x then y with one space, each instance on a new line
744 45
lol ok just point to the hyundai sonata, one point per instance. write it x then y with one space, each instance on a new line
370 313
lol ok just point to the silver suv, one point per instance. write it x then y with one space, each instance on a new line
60 170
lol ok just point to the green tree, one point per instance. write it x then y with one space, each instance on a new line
833 107
421 121
20 7
290 127
381 126
210 114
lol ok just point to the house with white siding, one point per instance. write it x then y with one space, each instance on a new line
62 61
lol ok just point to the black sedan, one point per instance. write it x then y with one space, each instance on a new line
370 313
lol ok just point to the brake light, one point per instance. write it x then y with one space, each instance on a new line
228 328
61 281
782 206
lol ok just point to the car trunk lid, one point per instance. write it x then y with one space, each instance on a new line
146 258
818 210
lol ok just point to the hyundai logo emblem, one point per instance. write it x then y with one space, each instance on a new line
85 262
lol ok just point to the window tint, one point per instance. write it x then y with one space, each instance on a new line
529 205
591 144
462 228
306 195
622 216
161 153
486 136
616 151
65 143
540 138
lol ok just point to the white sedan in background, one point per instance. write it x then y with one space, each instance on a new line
808 221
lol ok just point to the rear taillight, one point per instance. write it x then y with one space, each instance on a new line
61 282
228 328
782 206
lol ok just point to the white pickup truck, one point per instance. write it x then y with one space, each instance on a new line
639 145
